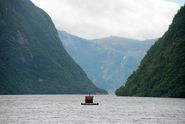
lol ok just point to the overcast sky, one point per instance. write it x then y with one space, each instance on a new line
90 19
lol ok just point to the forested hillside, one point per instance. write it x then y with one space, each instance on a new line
162 71
32 57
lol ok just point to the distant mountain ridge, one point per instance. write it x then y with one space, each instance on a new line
32 57
108 62
122 44
162 70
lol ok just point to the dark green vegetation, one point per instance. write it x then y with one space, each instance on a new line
32 57
162 71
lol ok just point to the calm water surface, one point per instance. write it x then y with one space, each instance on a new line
67 109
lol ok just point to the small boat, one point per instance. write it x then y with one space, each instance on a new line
89 101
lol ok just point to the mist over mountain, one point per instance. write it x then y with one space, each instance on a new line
108 61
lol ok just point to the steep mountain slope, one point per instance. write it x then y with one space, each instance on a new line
162 71
32 57
108 62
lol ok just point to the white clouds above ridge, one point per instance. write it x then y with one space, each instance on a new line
138 19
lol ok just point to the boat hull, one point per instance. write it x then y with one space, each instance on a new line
89 103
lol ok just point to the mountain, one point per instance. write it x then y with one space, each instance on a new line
32 57
109 61
162 71
125 44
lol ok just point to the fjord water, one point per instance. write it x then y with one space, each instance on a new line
67 109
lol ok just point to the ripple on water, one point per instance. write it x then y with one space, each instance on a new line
66 109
